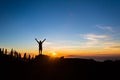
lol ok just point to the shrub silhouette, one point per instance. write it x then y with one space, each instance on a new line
13 67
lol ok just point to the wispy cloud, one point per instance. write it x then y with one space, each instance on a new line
107 28
87 41
94 40
60 45
114 46
95 37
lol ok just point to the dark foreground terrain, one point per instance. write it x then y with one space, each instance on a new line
46 68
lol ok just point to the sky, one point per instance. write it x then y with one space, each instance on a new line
71 27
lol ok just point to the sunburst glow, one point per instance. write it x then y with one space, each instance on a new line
53 54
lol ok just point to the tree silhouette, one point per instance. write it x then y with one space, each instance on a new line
11 53
0 51
25 57
16 54
5 51
29 57
19 56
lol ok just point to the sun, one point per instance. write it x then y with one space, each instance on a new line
53 54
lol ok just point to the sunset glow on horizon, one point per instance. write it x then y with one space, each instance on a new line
71 27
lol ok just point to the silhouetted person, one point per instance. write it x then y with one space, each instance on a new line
40 45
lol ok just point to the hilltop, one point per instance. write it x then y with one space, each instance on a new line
43 67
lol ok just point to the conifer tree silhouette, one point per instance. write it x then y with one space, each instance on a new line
5 51
11 53
19 56
16 54
29 57
25 57
0 51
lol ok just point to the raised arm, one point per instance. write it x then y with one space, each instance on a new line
37 40
43 40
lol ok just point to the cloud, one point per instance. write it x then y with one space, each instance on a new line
111 45
108 28
48 43
60 45
94 40
94 37
114 46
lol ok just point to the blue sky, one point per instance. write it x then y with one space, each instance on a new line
68 25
